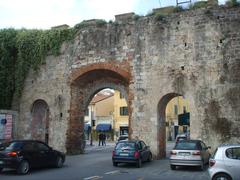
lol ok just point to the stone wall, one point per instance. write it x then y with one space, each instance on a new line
152 59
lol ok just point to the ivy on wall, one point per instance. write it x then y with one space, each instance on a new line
21 50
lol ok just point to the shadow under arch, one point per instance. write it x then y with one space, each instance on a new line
83 88
40 120
162 123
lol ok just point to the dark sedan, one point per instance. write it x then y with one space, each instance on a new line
132 151
25 154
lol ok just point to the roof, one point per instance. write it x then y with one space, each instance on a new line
101 96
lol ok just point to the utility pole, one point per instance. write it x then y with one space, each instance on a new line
91 135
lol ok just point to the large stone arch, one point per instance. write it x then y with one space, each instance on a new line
40 120
85 83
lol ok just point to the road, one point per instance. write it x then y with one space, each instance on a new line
96 164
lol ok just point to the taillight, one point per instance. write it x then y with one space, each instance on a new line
136 154
196 153
212 162
113 153
12 154
173 153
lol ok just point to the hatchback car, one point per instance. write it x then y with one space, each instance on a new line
181 137
132 151
25 154
225 163
189 153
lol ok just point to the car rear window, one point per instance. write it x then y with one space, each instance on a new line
186 145
126 145
14 146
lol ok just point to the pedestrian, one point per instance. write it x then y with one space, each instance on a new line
104 139
100 139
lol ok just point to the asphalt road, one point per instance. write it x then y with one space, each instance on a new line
96 164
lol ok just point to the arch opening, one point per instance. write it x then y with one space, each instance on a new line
83 89
173 119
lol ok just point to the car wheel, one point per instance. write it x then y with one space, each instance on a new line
173 167
139 163
150 157
1 169
222 176
115 164
59 162
23 168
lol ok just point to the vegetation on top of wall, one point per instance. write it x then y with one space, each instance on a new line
22 50
232 3
83 24
199 4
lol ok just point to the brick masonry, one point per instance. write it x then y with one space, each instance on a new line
194 54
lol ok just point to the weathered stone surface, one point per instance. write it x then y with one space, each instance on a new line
194 54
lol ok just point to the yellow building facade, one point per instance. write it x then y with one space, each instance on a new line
120 115
177 106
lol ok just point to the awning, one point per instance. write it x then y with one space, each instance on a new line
104 127
87 127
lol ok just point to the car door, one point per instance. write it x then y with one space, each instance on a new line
46 155
232 161
30 154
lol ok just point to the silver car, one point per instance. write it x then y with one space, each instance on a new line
189 153
225 163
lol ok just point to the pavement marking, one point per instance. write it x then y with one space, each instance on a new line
92 177
141 178
112 172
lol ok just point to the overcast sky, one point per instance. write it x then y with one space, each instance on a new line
43 14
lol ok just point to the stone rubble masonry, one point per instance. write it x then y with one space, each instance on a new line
193 53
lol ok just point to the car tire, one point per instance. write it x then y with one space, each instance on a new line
59 162
139 163
222 176
173 167
1 169
150 157
24 167
115 164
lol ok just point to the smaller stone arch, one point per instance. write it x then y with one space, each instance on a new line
161 123
40 120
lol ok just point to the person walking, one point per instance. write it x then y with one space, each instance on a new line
104 139
100 139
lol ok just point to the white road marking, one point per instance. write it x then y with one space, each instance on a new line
112 172
92 177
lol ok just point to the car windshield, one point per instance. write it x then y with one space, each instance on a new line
186 145
14 145
126 145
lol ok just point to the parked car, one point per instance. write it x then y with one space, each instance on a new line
123 137
225 163
131 151
189 153
181 137
25 154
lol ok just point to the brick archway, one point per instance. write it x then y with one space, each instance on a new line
85 82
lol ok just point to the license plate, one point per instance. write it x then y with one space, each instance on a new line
184 154
123 154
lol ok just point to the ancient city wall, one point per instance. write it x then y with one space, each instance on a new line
194 54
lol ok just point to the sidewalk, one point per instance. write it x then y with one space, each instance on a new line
88 147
